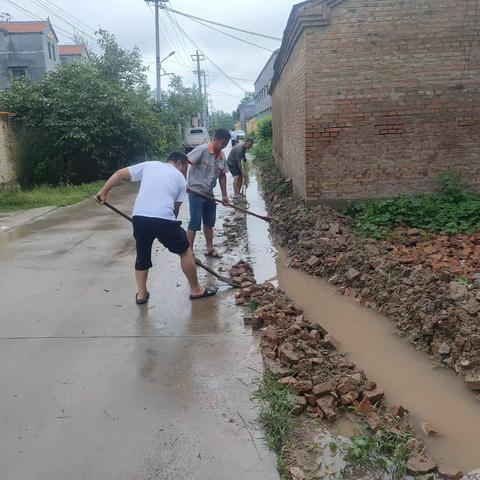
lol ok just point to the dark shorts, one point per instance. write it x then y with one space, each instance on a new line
234 170
168 232
201 210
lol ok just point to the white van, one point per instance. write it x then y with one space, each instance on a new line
194 137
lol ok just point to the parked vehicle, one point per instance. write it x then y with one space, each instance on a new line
240 135
194 137
233 136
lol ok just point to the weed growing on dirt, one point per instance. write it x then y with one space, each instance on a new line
12 197
275 414
252 304
451 211
384 451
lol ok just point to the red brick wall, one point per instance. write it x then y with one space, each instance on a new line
392 99
288 119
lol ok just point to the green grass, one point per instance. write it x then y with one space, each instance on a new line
385 451
276 416
252 304
450 211
12 197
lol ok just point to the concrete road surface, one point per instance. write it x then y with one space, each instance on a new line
95 387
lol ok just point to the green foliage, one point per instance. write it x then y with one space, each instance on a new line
384 451
252 304
263 148
85 120
264 129
223 119
450 211
12 197
275 410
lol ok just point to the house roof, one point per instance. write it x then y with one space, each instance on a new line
72 49
302 15
27 27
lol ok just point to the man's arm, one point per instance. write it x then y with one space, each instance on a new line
176 208
113 181
222 180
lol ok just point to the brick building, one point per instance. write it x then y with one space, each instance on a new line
373 98
73 53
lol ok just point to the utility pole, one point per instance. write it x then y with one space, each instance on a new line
197 58
158 62
205 99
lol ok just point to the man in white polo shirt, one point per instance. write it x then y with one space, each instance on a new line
162 190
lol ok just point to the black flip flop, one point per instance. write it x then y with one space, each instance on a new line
142 302
209 292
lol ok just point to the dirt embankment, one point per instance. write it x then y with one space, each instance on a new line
419 283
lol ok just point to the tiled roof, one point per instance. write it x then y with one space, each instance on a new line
24 27
71 49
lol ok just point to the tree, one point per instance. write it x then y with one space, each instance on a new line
5 17
85 120
223 119
248 97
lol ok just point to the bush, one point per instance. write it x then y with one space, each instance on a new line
451 211
263 148
264 129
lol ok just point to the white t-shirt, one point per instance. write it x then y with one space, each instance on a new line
162 186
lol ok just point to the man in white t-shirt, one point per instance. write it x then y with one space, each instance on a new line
163 188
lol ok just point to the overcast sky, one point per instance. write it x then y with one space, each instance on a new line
132 22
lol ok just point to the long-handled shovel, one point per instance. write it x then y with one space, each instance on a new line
198 262
240 209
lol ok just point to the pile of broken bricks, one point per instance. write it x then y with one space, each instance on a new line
325 383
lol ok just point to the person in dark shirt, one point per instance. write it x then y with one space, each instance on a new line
234 163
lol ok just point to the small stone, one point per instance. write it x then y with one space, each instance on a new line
303 386
449 473
365 407
317 361
297 474
311 399
314 262
352 275
369 385
288 381
315 334
331 342
472 307
398 411
373 421
293 330
473 381
349 397
326 402
457 291
428 429
287 354
420 465
299 404
323 389
444 349
345 387
240 301
374 396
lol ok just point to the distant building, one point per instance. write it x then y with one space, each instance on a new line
247 112
73 53
263 100
27 49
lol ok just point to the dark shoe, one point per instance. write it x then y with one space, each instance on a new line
142 302
209 292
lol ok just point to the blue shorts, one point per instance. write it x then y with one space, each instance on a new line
201 210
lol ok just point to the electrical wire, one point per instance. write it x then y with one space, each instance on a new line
60 17
206 56
164 8
232 36
183 44
81 22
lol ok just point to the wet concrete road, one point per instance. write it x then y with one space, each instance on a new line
94 387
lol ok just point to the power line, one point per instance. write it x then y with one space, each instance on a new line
65 32
227 94
220 24
232 36
207 57
49 10
180 37
71 16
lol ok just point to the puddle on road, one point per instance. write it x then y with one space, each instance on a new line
408 376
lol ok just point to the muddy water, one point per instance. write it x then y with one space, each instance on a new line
407 375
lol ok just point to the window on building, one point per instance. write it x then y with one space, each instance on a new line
49 51
18 72
53 51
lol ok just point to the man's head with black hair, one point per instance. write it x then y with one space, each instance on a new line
180 160
221 139
248 143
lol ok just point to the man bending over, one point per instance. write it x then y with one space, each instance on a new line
162 190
